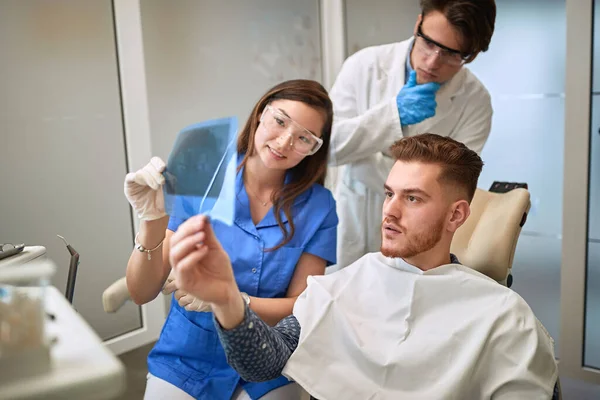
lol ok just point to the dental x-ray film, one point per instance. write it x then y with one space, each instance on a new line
201 171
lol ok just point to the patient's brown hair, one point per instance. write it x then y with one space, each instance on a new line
460 165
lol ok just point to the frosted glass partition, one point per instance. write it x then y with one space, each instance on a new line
592 312
591 357
62 153
596 55
524 72
207 59
376 22
526 57
594 185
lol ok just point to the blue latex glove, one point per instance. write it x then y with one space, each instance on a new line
416 102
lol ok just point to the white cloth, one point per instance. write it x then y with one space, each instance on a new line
383 329
367 123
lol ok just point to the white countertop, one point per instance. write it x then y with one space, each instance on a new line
82 367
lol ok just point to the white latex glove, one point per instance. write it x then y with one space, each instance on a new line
170 285
185 300
143 190
191 303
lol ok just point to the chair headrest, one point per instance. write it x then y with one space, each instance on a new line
487 240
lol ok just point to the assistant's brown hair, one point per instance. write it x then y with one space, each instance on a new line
473 19
461 166
311 169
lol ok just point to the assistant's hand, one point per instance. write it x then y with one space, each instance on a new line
143 190
416 102
191 303
202 268
184 299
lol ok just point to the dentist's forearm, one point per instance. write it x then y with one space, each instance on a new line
145 278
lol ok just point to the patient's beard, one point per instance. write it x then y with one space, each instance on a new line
413 244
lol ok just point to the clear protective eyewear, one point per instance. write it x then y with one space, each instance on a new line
278 124
429 47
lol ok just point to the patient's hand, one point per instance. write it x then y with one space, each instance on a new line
200 264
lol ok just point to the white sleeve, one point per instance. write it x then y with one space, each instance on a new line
356 136
474 126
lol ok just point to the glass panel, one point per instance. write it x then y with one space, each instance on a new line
591 357
526 142
62 157
536 272
376 22
596 55
526 145
514 153
594 187
527 53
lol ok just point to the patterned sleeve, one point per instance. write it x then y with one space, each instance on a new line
257 351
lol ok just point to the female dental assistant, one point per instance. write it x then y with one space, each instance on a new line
284 230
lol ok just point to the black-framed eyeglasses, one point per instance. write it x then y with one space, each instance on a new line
447 55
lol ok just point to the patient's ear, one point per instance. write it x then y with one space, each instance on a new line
459 212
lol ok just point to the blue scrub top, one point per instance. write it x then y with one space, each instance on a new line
188 353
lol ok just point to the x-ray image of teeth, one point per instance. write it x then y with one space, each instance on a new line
201 170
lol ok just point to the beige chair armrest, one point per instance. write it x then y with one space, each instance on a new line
115 296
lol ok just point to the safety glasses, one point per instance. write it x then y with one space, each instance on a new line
429 47
278 124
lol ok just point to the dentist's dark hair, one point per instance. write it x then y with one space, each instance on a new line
312 169
473 19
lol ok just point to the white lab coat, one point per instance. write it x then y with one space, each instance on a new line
382 329
367 122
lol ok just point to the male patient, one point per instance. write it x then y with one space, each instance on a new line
409 322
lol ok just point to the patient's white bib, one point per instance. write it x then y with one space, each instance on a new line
383 329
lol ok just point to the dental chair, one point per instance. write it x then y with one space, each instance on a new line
486 242
488 239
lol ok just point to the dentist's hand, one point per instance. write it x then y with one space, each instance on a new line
202 268
143 190
416 102
184 299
